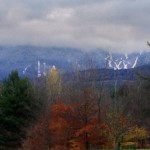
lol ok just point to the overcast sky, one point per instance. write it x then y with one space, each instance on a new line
115 25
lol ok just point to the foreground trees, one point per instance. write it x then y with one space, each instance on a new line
86 116
70 124
67 130
75 115
17 107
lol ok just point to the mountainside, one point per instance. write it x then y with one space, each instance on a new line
36 61
111 74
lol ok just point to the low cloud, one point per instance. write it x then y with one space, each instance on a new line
113 25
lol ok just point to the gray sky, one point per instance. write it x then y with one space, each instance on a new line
115 25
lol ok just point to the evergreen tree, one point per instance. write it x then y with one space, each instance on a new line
16 110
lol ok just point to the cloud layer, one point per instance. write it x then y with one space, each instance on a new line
115 25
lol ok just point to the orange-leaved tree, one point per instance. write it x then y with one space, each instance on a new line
60 125
91 131
70 126
78 124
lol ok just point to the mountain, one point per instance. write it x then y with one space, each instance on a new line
33 61
25 58
111 74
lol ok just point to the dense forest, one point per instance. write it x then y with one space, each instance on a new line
57 113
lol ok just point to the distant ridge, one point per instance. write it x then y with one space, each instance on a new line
110 74
25 59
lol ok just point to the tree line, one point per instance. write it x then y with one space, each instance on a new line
53 113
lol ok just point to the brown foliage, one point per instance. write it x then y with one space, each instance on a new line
76 123
69 127
38 137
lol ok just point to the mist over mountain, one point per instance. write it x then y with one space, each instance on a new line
28 60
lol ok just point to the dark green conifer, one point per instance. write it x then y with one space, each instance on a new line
16 110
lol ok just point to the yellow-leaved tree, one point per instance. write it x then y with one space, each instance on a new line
54 84
135 135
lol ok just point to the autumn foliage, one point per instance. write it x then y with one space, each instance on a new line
38 137
76 126
78 119
71 128
83 114
67 128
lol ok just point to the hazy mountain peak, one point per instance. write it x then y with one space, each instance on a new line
36 60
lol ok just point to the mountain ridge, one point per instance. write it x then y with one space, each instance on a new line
26 58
